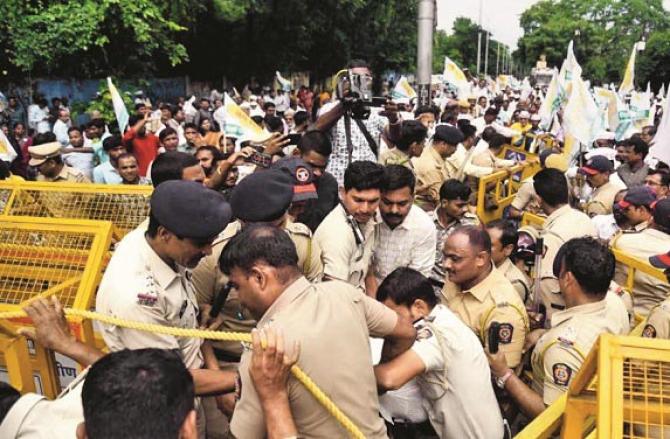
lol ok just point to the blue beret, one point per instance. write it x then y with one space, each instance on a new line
190 210
263 196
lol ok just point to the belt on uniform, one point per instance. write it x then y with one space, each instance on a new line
412 428
226 356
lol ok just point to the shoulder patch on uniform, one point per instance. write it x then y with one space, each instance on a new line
423 333
505 332
147 299
649 331
561 373
298 229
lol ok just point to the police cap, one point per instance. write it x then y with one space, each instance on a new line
190 210
262 196
448 134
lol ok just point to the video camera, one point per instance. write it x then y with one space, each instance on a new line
355 92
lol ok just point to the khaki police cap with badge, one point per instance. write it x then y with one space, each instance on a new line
41 153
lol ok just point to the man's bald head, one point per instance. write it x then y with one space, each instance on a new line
478 238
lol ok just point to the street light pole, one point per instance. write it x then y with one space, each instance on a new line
479 52
498 60
425 25
486 55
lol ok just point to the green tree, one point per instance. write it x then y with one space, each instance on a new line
86 37
461 47
604 32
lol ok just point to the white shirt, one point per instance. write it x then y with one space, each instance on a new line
38 118
33 416
456 384
411 244
138 285
282 102
60 130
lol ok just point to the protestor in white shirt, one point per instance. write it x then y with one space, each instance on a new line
447 360
407 235
489 119
62 124
282 101
38 115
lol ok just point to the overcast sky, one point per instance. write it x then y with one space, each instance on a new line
501 17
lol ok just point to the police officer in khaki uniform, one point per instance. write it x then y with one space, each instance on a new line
648 237
332 322
451 213
584 268
597 171
148 278
409 145
525 199
430 169
347 235
262 197
48 160
504 238
479 293
658 320
563 223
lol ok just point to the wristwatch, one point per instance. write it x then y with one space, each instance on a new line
500 381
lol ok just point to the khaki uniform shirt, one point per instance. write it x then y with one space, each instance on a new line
457 378
560 352
561 226
642 242
518 279
658 321
66 174
487 159
437 275
601 200
394 156
333 322
431 172
525 198
460 164
344 259
492 300
138 285
209 280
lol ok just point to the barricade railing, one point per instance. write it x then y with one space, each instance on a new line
40 257
621 391
496 191
126 206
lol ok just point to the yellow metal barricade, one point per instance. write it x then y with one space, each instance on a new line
42 257
499 189
622 389
531 219
126 206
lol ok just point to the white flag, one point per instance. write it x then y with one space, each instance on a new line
581 116
7 152
628 82
551 102
661 148
238 124
403 91
119 107
455 76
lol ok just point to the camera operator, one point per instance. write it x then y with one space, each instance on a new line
347 119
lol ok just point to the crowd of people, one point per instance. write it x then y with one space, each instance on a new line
353 247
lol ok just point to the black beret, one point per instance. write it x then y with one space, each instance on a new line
263 196
448 134
190 210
